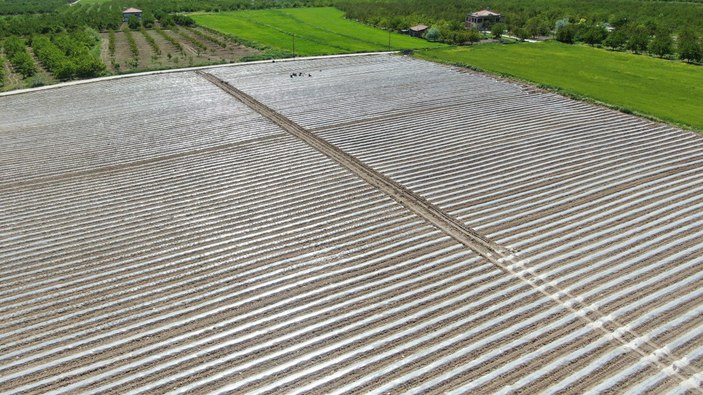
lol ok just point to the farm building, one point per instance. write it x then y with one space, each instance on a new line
131 12
418 30
482 20
222 238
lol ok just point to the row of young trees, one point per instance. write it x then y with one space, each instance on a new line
21 61
638 38
68 56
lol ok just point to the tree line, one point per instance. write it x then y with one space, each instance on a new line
536 17
656 40
15 7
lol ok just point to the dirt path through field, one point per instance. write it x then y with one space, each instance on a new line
500 256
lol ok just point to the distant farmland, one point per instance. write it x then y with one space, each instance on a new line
169 48
318 31
664 89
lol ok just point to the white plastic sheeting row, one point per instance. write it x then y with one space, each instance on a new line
210 251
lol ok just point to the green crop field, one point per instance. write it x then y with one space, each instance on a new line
317 31
671 91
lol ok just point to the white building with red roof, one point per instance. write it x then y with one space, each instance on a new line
482 20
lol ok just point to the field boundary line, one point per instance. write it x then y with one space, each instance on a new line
503 258
187 69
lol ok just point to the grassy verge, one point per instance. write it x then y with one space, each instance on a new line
316 31
660 89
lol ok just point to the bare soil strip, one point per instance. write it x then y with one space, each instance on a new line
502 257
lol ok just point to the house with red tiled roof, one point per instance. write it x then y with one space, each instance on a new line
130 12
482 20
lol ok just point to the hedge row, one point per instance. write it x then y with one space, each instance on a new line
208 37
192 40
67 57
111 43
132 44
170 39
150 40
16 52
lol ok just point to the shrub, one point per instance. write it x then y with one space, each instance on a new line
474 36
35 81
497 30
433 34
566 34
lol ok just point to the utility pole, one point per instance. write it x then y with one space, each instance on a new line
389 39
293 44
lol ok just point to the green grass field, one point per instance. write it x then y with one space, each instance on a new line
667 90
318 31
91 1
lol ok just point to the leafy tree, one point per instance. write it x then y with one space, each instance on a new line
566 34
433 34
167 21
497 30
64 70
594 34
537 26
88 67
688 47
616 39
638 39
662 44
133 22
148 20
521 33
